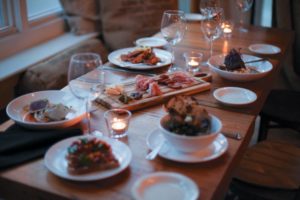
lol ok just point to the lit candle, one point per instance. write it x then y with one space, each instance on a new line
227 30
119 126
193 63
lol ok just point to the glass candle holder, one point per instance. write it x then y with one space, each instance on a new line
193 61
227 28
117 121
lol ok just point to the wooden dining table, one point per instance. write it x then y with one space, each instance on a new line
32 180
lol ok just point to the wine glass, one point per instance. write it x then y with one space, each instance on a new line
244 6
207 5
173 27
85 79
211 26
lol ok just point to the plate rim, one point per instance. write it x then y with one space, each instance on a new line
193 19
264 44
163 41
41 125
194 160
110 141
140 180
112 54
235 88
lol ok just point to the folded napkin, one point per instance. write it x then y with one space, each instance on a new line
18 145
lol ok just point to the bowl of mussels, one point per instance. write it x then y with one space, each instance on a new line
239 67
188 127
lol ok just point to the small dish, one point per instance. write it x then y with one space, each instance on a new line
153 42
264 49
213 151
56 162
234 96
165 185
194 17
15 109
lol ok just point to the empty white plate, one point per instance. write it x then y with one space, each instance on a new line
166 186
154 42
264 48
234 96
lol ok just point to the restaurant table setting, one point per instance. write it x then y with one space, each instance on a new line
169 149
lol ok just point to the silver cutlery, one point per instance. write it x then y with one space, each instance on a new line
258 60
154 152
235 135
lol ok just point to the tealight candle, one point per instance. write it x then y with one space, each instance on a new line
193 61
117 121
227 27
118 126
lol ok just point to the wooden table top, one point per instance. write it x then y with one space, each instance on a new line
32 180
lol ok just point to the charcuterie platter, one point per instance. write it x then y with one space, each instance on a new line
144 91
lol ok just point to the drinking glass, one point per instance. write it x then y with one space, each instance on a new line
211 26
244 6
207 5
85 79
173 27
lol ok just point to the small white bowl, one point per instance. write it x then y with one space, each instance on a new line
234 96
263 68
189 144
154 42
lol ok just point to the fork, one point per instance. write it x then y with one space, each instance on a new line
154 152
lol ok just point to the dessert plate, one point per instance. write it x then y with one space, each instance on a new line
165 185
264 48
154 42
167 151
114 58
15 109
55 159
234 96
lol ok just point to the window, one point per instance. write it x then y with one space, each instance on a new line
28 23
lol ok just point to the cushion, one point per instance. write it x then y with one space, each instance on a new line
52 73
124 21
82 15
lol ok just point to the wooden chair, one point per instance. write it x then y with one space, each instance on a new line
269 171
283 108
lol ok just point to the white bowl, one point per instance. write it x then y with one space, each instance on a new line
190 144
263 67
15 109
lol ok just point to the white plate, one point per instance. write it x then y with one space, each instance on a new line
15 109
215 150
166 186
263 67
264 48
194 17
114 57
154 42
234 96
56 162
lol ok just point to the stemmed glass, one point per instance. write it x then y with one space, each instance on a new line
244 6
173 27
211 25
85 79
207 5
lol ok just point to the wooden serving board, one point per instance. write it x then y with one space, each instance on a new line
112 101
